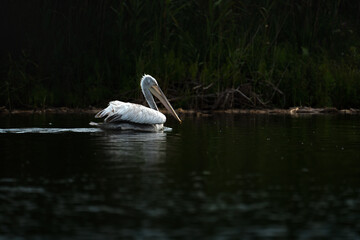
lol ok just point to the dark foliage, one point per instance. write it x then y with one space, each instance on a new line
214 54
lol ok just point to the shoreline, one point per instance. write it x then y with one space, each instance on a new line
274 111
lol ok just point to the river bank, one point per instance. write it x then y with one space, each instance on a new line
180 111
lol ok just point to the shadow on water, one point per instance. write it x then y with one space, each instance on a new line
221 177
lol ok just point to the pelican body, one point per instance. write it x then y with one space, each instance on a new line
130 116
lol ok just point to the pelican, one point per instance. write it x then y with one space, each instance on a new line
130 116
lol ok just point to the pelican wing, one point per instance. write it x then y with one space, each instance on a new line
130 112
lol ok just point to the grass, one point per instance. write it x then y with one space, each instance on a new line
214 54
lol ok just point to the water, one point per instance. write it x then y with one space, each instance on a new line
216 177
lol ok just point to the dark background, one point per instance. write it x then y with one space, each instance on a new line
205 54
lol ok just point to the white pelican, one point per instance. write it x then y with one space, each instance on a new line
130 116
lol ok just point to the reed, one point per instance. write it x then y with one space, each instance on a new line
214 54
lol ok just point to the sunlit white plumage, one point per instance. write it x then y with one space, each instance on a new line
131 116
131 112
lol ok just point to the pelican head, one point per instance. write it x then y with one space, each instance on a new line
150 87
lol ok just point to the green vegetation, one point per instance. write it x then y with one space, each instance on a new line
205 54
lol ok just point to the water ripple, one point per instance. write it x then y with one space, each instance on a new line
49 130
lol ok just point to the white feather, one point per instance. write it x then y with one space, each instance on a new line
130 112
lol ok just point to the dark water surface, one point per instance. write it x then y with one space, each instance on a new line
219 177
